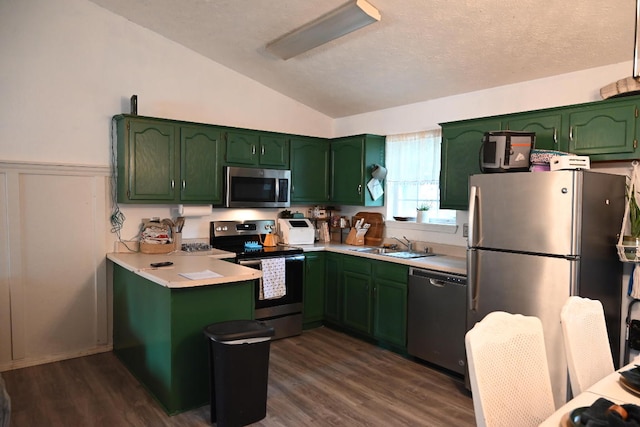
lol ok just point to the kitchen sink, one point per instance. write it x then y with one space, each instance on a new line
407 254
393 252
379 251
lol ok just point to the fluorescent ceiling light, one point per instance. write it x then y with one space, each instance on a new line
343 20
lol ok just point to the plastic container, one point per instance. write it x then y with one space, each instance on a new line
239 369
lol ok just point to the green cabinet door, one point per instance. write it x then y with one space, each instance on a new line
274 152
146 160
201 164
347 170
242 148
601 130
390 303
460 158
314 287
333 288
310 170
357 289
256 149
357 311
351 161
547 127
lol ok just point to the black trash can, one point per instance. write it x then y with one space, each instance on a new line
239 367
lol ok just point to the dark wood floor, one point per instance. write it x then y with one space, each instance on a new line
321 378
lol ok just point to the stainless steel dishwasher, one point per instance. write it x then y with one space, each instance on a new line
437 312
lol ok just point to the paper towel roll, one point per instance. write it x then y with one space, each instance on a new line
194 210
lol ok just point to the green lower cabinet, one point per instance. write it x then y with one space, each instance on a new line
314 289
357 308
390 303
375 299
157 334
333 288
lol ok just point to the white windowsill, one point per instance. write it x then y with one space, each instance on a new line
431 227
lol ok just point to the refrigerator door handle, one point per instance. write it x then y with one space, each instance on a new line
472 285
473 198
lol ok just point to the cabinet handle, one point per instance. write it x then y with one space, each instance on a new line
570 133
359 189
184 184
262 150
555 136
253 149
293 188
173 184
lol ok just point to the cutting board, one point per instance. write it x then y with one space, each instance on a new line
374 235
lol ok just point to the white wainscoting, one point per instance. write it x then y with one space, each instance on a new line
54 301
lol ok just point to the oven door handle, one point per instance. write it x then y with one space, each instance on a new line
256 261
250 262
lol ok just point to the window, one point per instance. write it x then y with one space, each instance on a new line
413 173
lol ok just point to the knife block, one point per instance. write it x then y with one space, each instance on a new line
355 238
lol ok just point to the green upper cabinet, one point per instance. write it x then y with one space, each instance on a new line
257 149
460 158
163 161
351 161
310 170
333 287
547 126
274 151
603 131
201 154
146 157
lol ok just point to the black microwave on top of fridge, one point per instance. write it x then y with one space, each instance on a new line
256 188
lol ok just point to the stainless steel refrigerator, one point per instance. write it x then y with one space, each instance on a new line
536 238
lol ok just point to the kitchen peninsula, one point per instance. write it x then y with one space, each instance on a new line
158 317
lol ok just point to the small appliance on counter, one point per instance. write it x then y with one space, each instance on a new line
296 231
506 151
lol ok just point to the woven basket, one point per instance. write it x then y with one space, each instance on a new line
150 248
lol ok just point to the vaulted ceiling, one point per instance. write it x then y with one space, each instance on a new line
420 49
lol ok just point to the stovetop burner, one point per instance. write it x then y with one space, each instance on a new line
244 237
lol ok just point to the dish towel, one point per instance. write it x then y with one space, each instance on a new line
272 284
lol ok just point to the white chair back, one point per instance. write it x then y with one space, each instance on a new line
586 343
508 371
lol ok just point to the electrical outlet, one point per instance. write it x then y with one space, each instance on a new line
465 230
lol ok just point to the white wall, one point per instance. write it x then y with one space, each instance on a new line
565 89
68 66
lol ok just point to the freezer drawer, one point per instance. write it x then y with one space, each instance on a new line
436 326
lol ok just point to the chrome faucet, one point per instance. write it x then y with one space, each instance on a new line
408 243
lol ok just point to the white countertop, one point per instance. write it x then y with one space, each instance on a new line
441 262
191 262
139 263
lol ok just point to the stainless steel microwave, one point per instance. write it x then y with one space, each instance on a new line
257 188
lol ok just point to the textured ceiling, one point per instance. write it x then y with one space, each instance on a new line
420 49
